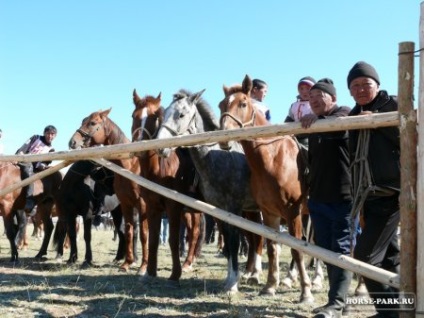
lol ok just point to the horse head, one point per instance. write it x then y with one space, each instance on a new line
97 129
180 117
92 131
237 109
146 117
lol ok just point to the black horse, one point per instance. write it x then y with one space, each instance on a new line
77 197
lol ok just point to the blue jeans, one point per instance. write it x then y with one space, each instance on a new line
332 227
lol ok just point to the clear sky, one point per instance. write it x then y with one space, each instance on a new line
62 60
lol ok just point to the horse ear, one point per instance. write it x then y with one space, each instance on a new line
247 85
105 113
226 90
159 96
136 98
196 96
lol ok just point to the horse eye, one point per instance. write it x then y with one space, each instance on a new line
243 105
181 115
93 123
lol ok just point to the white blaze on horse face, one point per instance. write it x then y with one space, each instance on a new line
231 100
143 118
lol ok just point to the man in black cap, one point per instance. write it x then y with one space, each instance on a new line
379 149
330 194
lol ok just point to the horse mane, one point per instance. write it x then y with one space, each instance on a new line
120 136
237 88
210 122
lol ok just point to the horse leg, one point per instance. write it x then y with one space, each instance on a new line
127 212
144 238
174 239
21 239
295 229
254 256
292 275
88 261
45 214
231 236
202 233
11 231
361 289
59 238
193 233
273 251
117 220
71 229
154 222
318 275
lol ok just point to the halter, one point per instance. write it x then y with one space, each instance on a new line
190 128
143 130
251 122
87 136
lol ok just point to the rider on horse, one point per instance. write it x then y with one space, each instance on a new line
37 144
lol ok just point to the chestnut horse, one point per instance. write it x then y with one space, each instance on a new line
277 180
175 172
44 192
224 177
99 129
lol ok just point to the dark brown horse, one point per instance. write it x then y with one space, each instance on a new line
174 172
277 181
99 129
12 202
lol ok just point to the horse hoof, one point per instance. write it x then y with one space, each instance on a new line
316 286
253 281
306 300
141 272
187 268
287 282
267 292
361 291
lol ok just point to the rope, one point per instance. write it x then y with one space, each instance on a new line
362 182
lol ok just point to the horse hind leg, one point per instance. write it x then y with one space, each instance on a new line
318 276
292 275
11 231
231 245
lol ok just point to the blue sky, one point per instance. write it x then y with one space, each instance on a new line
62 60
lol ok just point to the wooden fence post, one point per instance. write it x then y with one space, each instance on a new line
420 176
408 164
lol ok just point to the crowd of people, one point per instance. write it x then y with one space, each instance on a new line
334 178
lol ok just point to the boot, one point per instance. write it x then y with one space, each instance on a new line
26 172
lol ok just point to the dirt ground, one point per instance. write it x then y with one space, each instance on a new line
52 289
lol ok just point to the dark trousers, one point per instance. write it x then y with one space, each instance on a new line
378 244
332 224
27 170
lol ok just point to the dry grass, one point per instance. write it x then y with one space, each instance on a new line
49 289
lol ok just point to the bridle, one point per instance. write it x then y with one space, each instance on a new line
241 124
89 135
191 127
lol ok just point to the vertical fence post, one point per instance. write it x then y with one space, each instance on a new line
420 176
408 163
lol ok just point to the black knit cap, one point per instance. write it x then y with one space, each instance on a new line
362 69
325 85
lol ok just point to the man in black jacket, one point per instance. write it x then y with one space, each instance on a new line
379 149
330 194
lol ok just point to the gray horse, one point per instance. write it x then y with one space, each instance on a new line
224 175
